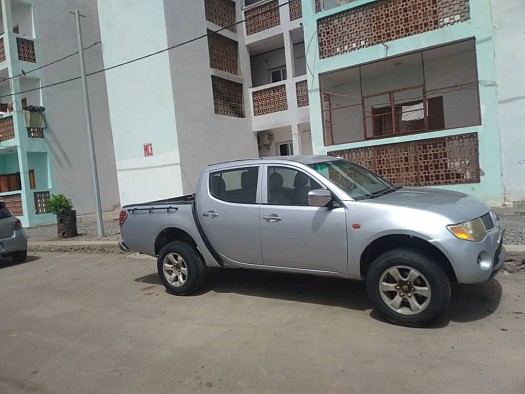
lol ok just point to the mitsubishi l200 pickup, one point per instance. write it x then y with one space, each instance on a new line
321 215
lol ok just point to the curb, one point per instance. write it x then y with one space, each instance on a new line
75 246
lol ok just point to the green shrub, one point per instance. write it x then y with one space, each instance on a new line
59 203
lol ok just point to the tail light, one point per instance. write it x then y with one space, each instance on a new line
122 217
18 225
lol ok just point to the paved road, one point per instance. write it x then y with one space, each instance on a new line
103 324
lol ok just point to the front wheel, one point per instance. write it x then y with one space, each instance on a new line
180 268
407 287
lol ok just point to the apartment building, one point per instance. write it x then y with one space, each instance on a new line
420 91
236 94
423 92
43 142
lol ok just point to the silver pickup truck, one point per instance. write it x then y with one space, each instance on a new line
321 215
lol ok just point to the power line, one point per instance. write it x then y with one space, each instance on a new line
211 33
24 73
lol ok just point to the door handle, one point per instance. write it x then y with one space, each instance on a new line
210 214
272 218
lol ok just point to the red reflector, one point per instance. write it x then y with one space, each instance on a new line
18 225
122 217
356 226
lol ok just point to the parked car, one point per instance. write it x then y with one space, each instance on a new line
322 215
13 240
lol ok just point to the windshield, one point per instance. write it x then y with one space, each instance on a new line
358 182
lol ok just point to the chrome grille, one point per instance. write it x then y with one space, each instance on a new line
488 221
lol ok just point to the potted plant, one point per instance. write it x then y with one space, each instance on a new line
61 206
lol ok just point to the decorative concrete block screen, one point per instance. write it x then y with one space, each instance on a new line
224 54
26 50
2 50
227 97
270 100
7 128
296 9
14 204
41 199
262 18
384 21
301 90
221 13
429 162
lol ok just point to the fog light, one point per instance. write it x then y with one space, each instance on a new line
484 261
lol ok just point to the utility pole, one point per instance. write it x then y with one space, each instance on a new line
100 223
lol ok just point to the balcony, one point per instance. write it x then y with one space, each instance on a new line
280 103
25 47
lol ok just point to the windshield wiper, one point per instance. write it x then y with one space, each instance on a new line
384 191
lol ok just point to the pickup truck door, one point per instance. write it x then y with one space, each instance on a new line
228 205
294 234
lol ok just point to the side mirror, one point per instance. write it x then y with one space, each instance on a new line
319 197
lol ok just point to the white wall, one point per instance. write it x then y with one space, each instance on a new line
66 133
509 34
23 17
33 97
141 100
203 136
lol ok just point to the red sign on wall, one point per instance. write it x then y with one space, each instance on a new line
148 150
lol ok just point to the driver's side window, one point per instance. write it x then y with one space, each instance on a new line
287 186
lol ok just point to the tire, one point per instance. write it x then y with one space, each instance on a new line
407 287
180 268
20 256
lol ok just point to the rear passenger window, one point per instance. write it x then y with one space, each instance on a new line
4 212
239 185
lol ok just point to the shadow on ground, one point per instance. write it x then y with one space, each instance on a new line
468 303
7 262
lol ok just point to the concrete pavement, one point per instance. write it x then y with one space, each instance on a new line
79 323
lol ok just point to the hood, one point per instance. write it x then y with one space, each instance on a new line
456 206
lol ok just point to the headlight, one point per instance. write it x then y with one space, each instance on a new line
473 230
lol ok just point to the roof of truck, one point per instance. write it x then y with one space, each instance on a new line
303 159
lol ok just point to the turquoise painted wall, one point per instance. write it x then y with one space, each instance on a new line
479 27
39 163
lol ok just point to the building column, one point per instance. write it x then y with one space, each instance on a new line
296 140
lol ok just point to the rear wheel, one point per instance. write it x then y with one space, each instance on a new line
407 287
19 257
180 268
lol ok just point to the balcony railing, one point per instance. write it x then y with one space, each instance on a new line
427 162
296 9
383 21
269 100
7 128
262 17
301 92
25 48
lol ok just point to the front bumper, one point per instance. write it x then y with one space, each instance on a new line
475 262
